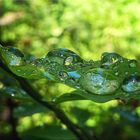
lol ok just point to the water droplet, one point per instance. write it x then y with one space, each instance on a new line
126 73
15 62
109 59
117 73
1 85
18 70
63 75
63 56
78 86
12 95
99 82
68 61
121 61
131 84
132 63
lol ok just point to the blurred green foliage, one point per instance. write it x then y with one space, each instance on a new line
88 27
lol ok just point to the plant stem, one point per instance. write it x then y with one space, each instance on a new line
78 131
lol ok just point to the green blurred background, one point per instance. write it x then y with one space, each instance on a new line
89 28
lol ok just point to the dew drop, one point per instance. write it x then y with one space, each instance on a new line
63 75
131 84
18 70
132 63
126 73
68 61
117 73
63 56
12 95
108 59
99 82
15 62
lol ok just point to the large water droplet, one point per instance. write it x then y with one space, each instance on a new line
99 81
126 73
15 61
131 84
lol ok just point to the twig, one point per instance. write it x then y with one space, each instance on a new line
12 120
78 131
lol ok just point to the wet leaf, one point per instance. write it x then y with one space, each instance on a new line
112 77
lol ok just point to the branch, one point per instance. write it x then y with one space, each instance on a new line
79 132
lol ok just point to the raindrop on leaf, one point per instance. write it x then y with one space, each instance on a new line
108 59
99 81
63 56
68 61
63 75
131 83
132 63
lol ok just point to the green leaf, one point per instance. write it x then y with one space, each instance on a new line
82 95
19 64
69 97
113 77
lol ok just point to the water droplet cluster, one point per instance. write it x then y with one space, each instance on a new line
111 74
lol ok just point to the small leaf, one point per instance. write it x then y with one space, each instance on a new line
81 95
69 97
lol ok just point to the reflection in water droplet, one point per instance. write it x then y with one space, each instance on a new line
15 62
74 74
99 82
131 84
